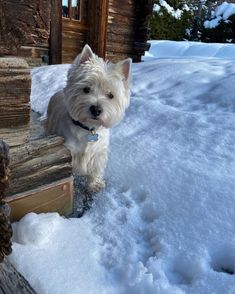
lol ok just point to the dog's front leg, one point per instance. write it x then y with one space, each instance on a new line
95 180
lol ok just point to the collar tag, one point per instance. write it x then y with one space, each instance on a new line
92 136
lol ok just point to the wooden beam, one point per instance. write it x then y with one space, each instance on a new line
97 23
103 22
54 197
70 10
83 11
56 32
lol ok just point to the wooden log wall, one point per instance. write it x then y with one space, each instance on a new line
25 28
15 87
127 30
41 171
37 163
120 29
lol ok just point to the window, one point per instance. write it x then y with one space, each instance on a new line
73 9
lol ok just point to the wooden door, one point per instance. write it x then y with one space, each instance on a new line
74 28
75 23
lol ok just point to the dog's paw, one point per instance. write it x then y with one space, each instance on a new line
95 185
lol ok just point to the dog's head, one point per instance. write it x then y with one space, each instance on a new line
97 92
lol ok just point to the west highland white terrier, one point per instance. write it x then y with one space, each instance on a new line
94 99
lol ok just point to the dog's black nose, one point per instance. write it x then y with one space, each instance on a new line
95 110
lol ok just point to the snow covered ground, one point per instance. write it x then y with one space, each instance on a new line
165 224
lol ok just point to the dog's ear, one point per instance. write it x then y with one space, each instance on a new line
124 67
84 56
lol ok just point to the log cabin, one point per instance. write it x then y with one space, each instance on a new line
40 32
55 31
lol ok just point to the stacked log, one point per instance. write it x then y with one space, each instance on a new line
41 171
15 86
127 29
143 10
120 29
11 280
38 161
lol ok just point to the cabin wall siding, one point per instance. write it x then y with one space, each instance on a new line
25 28
35 30
120 29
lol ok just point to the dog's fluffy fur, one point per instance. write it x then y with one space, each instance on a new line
90 82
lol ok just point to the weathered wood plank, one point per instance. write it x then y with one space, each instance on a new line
12 282
74 36
24 23
120 29
127 31
115 57
15 87
121 19
14 136
37 163
120 48
54 197
74 25
36 160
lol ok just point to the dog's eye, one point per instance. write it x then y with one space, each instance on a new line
86 90
110 95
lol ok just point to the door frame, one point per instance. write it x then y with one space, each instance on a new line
55 48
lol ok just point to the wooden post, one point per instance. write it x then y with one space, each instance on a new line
56 32
97 23
70 9
103 21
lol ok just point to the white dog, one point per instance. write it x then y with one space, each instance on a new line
94 100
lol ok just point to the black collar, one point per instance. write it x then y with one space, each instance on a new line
78 123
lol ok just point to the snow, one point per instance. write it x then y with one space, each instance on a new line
156 7
182 49
222 12
176 13
165 222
